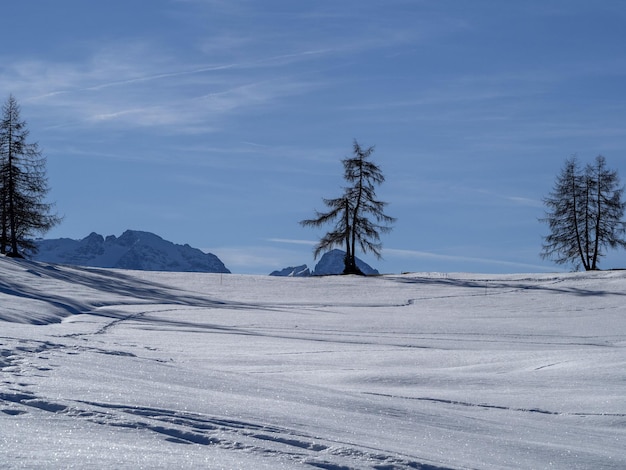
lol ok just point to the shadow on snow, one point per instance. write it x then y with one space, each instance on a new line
526 284
100 288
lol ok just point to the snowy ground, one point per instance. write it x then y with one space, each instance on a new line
121 369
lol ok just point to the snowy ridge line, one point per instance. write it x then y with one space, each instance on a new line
181 427
493 407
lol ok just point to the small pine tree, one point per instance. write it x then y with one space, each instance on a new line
23 185
352 212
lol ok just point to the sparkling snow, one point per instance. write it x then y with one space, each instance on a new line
121 369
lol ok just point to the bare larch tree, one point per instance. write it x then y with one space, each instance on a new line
358 216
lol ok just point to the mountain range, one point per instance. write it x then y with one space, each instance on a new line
145 251
134 249
330 263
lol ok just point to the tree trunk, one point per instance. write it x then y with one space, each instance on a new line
3 234
351 267
576 203
586 228
594 264
11 198
346 259
349 260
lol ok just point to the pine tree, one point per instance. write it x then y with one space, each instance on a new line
584 214
23 185
352 212
564 243
607 209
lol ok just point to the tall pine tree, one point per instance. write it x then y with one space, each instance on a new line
354 210
23 185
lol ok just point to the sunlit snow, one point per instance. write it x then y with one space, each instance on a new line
129 369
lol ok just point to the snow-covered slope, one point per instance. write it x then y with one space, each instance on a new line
139 369
132 250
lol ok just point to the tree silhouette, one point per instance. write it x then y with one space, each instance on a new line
353 212
584 214
23 185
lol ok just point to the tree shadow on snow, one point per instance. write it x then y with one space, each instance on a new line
102 288
526 284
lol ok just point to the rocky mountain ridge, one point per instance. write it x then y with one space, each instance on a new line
330 263
134 249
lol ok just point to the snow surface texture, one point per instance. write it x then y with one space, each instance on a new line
132 250
332 262
137 369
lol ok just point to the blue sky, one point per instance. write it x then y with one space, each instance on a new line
222 123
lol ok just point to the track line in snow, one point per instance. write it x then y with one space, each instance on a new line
492 407
181 427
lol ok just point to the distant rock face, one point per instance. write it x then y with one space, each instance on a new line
297 271
331 263
132 250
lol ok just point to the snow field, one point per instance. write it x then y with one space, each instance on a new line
122 369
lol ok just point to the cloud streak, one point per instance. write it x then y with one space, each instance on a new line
130 88
400 253
256 259
138 84
293 241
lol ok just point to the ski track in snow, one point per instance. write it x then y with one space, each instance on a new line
177 426
190 428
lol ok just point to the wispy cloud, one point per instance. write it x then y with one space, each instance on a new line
138 84
426 255
256 259
158 76
525 201
292 241
517 200
132 91
399 253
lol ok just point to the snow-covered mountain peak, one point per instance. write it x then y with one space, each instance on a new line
331 263
134 249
